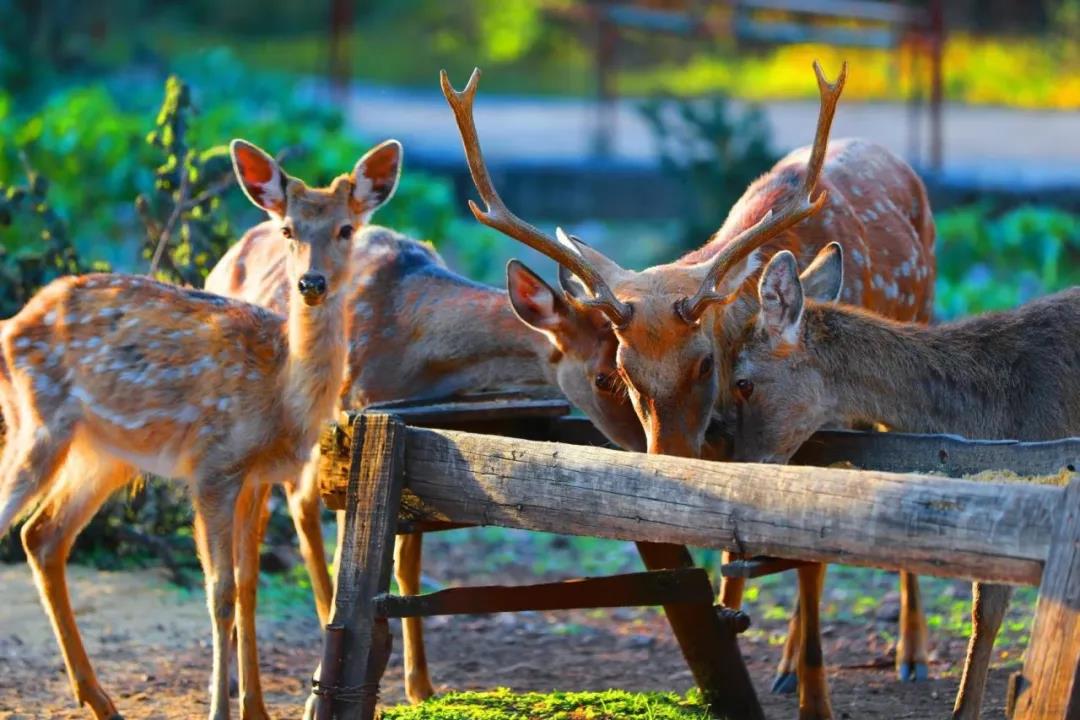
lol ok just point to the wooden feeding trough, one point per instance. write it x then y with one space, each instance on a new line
525 464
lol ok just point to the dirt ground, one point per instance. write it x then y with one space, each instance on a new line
150 643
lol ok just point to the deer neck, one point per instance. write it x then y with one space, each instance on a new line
908 377
315 367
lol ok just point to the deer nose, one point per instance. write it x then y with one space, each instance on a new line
312 286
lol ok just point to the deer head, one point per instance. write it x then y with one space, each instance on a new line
662 323
318 223
781 396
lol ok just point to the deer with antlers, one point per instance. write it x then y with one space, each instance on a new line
804 362
106 375
669 328
405 340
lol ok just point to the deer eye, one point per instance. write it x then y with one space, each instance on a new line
605 382
286 232
345 232
706 367
744 388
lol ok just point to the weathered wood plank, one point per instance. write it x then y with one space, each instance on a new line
758 567
947 454
633 589
373 494
708 643
994 531
1050 684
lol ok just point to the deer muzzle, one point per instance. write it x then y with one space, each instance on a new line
312 287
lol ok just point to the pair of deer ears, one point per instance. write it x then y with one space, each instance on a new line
374 177
782 290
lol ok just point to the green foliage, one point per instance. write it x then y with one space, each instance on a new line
712 153
992 262
502 704
25 269
185 235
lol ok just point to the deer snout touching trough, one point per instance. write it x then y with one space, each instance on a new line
805 361
665 334
107 375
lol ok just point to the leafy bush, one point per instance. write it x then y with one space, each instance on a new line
988 262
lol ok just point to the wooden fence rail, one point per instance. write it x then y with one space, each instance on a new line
989 530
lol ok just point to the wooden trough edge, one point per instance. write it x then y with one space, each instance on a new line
999 532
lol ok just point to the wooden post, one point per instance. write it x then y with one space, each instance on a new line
376 471
707 643
1050 684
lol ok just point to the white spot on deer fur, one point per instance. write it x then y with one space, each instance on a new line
869 215
234 371
892 291
877 281
108 312
254 376
879 207
223 404
858 257
49 318
856 191
209 401
22 343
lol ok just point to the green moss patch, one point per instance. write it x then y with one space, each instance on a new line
502 704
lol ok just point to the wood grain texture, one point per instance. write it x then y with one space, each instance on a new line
373 494
951 455
686 585
1050 684
994 531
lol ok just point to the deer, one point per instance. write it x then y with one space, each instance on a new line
106 375
670 327
406 339
806 361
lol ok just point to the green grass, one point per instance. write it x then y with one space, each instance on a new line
501 704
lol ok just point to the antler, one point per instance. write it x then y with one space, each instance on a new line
497 216
777 220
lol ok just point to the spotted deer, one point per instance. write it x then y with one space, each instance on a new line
107 375
804 362
415 329
669 328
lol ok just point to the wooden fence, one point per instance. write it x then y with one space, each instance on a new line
990 529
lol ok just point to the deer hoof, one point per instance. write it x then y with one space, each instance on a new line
786 683
913 672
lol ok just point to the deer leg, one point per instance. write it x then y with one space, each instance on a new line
787 679
813 686
731 589
215 506
47 537
911 648
251 517
407 561
305 507
988 605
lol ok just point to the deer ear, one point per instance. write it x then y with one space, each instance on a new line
823 279
533 300
781 297
375 177
260 176
571 285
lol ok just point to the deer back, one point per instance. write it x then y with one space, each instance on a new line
876 207
415 328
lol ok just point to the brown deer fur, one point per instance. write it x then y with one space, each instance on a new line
105 375
1007 375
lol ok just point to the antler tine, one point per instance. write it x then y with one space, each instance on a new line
791 213
496 215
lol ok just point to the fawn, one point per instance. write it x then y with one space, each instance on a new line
105 375
669 328
406 339
804 362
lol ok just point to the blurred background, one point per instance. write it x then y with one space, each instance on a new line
634 124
